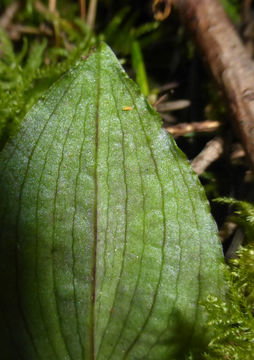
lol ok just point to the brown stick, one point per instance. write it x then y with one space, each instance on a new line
82 5
91 14
16 30
246 10
10 12
173 105
186 128
228 61
52 6
211 152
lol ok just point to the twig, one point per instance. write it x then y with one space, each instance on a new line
51 14
235 244
227 229
82 5
168 86
246 10
52 6
9 14
41 8
91 15
186 128
168 118
173 105
211 152
237 152
228 60
160 100
247 28
16 30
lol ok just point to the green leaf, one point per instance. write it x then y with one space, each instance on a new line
107 243
34 59
139 66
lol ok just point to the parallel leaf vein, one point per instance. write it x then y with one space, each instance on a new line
37 220
125 232
73 234
164 228
143 239
26 326
93 287
54 229
107 224
177 278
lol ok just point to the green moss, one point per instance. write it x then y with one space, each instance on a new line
232 7
26 74
232 321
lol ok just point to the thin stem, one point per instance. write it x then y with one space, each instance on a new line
52 6
82 5
211 152
92 13
246 10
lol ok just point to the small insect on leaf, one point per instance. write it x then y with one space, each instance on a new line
127 108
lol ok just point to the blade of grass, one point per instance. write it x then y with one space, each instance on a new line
139 66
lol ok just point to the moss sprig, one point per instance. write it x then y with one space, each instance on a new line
232 321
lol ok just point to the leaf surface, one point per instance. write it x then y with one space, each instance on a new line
107 242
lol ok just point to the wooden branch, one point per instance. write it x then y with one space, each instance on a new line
10 12
17 30
82 5
228 61
52 5
246 10
211 152
237 152
186 128
173 105
91 14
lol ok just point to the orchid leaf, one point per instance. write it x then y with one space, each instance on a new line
108 248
